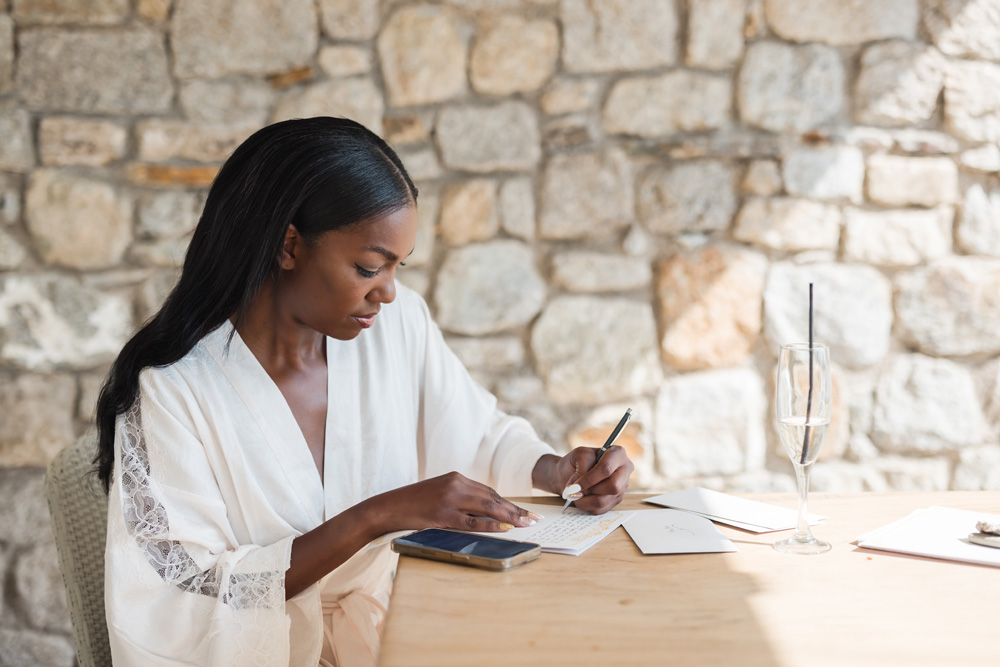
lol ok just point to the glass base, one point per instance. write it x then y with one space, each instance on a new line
807 547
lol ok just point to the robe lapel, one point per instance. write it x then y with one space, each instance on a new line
274 418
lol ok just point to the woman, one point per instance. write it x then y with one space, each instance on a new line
259 445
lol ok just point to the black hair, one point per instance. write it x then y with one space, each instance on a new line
319 174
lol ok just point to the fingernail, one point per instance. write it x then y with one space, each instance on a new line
575 496
526 520
536 517
570 490
504 526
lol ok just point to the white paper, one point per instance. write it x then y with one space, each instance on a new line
572 532
675 532
750 515
935 532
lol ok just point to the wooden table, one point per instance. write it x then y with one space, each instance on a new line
614 606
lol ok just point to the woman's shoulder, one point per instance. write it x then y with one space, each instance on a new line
196 363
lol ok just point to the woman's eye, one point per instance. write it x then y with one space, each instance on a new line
365 272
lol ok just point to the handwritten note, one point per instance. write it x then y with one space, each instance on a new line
572 532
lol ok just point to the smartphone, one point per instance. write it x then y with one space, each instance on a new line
452 546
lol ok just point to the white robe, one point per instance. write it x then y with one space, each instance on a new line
213 479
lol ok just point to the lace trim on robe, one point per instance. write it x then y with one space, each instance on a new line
147 522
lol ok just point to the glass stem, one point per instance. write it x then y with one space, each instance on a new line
802 532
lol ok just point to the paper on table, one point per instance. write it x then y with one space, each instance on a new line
572 532
750 515
935 532
675 532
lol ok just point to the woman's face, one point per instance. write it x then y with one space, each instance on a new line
337 284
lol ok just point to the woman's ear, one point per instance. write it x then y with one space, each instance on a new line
292 242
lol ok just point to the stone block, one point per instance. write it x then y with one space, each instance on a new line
949 308
904 181
50 322
569 96
80 12
520 390
972 100
26 647
24 508
168 253
488 288
77 222
828 172
979 228
152 293
12 252
691 197
161 175
897 238
80 141
513 54
169 215
428 211
517 208
596 349
216 39
405 129
715 33
6 53
710 423
983 158
469 212
423 51
490 354
710 306
342 60
416 279
978 469
570 131
154 11
786 223
38 418
10 198
121 72
422 164
349 19
964 28
41 595
852 310
926 406
899 83
89 388
586 195
243 102
763 178
903 473
618 35
356 98
790 89
680 101
584 271
17 151
503 137
843 22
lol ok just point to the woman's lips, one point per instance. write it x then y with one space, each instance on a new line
365 320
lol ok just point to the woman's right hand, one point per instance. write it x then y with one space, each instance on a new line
451 500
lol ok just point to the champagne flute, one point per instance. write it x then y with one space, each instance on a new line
802 408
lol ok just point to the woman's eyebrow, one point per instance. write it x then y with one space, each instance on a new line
385 252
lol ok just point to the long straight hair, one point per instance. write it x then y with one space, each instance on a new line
319 174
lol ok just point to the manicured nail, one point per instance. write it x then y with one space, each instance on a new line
570 490
504 526
575 496
536 517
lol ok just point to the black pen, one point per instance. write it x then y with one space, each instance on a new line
600 452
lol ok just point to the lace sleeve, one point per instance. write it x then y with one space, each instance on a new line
247 583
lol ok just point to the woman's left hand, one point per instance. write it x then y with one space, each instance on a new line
603 483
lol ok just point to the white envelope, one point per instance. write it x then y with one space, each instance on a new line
675 532
750 515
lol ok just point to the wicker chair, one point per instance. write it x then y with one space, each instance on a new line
79 510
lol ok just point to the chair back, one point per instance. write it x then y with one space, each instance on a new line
79 510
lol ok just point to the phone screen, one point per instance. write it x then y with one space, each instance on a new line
466 543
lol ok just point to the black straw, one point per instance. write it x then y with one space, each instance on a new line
809 397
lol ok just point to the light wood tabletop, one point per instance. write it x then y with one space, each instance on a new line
614 606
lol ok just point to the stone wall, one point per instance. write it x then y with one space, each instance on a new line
622 205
